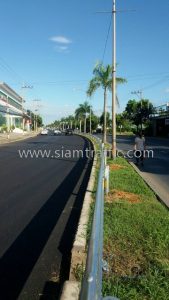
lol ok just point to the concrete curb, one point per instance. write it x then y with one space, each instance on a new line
151 186
79 246
78 253
70 291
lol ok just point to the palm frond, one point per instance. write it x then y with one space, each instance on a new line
94 84
117 101
103 77
81 111
120 80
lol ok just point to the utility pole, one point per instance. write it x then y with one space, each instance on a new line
35 114
24 86
114 78
114 83
8 118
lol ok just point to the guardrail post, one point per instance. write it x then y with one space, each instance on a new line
106 180
105 156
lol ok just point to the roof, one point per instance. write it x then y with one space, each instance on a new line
7 89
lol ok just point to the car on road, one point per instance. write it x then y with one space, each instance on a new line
44 131
57 132
69 132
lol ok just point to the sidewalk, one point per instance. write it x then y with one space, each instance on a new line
13 137
155 183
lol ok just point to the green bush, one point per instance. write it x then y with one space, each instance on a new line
4 128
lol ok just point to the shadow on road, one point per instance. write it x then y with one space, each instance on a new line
19 260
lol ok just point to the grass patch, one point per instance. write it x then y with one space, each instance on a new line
136 238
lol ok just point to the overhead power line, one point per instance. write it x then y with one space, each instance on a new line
59 82
4 65
107 37
148 75
155 83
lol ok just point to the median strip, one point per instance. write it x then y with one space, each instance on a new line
136 239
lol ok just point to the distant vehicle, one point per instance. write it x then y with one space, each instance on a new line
99 130
44 132
69 132
57 132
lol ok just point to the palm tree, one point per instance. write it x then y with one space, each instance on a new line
81 112
71 120
102 78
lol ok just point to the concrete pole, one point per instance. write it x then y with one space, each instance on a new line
8 118
23 120
90 119
114 83
34 123
85 122
141 96
104 118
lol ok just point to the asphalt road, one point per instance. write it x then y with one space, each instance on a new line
40 203
156 168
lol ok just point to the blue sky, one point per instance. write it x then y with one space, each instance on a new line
53 46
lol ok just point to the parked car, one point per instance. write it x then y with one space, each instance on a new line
44 131
57 132
69 132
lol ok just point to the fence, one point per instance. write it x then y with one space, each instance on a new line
92 282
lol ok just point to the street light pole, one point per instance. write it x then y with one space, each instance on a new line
114 83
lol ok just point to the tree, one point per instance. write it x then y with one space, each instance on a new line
131 108
102 78
108 120
2 120
35 119
81 112
123 122
39 121
132 112
94 123
139 111
71 120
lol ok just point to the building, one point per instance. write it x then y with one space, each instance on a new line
160 121
12 114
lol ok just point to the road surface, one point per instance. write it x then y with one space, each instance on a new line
40 203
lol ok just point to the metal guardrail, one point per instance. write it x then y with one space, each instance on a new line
92 282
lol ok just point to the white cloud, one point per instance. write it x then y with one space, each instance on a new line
63 49
167 90
60 40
